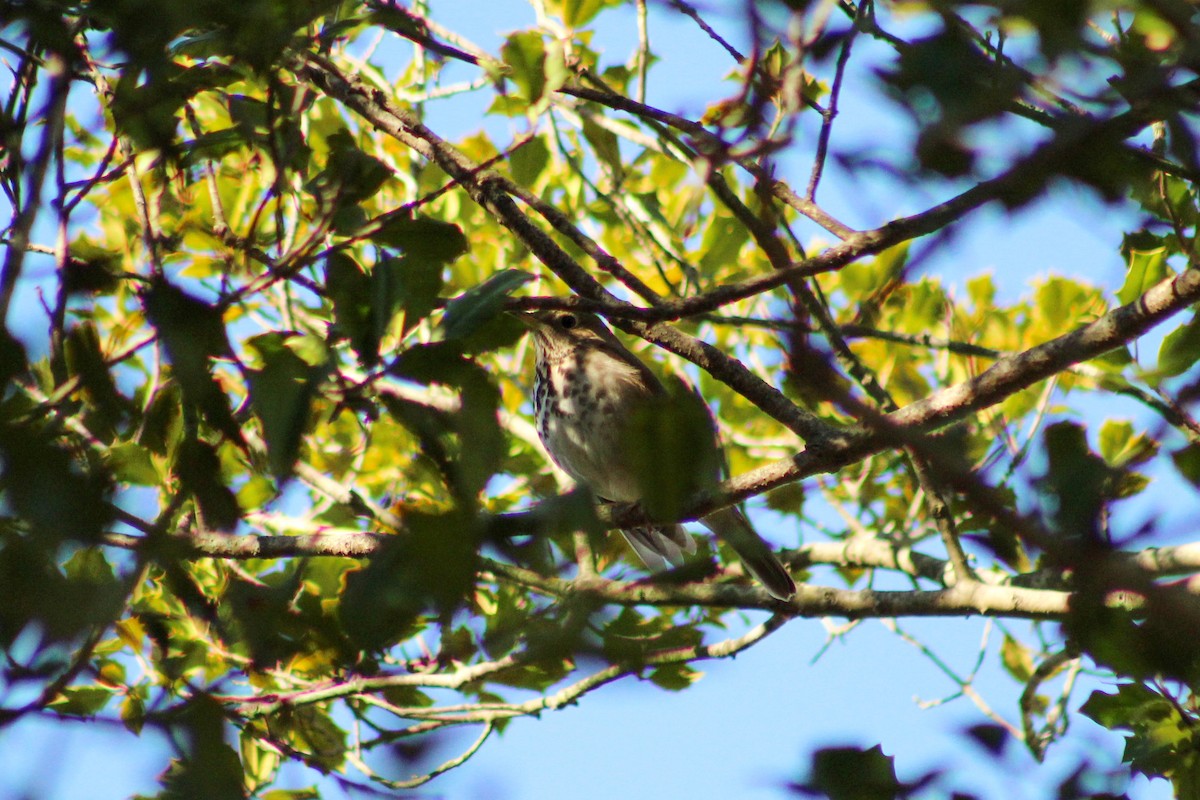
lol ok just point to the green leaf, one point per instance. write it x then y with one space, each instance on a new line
430 567
313 731
249 114
992 738
208 767
91 269
1016 659
722 242
199 470
673 450
213 145
1160 740
133 710
467 444
850 773
260 762
308 793
414 285
281 395
193 333
524 53
982 291
1120 447
90 566
1147 268
131 463
675 677
529 160
256 492
351 291
557 72
577 13
162 421
1180 348
350 175
423 237
85 360
407 697
42 483
1132 703
1187 461
81 701
1075 478
605 145
468 312
788 499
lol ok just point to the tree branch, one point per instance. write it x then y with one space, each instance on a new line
1009 375
810 601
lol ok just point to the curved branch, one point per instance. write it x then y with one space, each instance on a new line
253 706
1004 378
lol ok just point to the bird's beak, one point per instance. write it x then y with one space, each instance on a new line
528 320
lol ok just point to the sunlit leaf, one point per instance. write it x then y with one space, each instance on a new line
524 53
1180 348
1146 268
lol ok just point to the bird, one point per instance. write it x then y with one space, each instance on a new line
595 403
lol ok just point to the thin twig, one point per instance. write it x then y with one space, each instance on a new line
54 114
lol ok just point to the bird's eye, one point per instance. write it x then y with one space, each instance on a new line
568 321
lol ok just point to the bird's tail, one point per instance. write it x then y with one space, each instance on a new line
732 527
660 546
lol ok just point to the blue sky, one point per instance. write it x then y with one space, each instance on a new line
748 726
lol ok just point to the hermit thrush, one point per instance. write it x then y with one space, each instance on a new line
588 390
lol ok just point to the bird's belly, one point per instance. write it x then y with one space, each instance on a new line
591 454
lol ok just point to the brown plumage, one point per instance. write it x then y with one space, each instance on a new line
588 389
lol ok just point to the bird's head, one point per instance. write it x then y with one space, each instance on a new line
557 328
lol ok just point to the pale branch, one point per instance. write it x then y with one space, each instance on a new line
252 706
445 766
963 599
213 544
811 601
1177 560
1030 702
256 706
857 552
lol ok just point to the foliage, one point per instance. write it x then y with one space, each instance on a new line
271 469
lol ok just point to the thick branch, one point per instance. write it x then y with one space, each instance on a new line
1006 377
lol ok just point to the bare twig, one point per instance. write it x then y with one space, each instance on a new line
54 115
